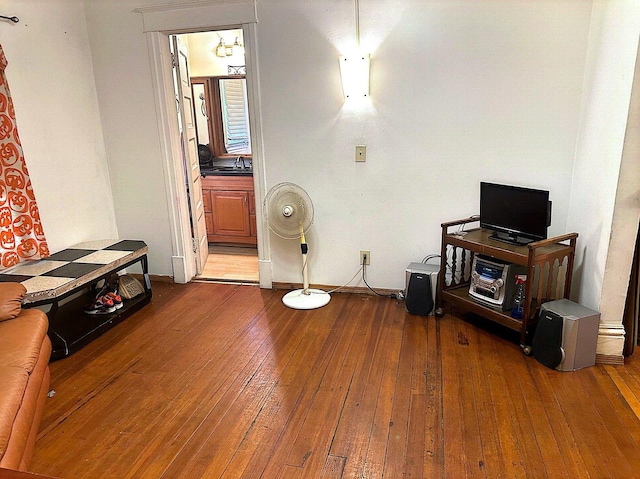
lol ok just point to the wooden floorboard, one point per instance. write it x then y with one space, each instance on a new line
223 381
231 263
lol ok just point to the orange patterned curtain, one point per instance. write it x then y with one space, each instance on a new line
21 234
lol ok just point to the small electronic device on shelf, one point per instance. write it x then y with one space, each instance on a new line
516 215
493 282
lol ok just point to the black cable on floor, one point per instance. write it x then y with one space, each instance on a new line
364 267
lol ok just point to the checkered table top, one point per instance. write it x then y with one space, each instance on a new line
73 267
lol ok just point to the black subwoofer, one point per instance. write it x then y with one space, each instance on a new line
566 336
420 288
547 342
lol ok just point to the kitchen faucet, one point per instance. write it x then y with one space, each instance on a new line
240 163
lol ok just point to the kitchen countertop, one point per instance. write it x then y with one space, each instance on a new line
227 168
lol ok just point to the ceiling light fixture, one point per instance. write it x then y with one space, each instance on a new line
354 68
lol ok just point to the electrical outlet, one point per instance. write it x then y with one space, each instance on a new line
365 256
361 153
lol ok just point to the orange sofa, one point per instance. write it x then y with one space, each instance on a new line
25 350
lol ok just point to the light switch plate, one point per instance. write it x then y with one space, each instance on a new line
361 153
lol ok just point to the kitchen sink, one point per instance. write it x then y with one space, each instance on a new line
225 171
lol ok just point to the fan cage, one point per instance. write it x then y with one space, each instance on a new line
299 220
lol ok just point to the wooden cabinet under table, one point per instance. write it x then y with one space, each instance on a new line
549 266
229 208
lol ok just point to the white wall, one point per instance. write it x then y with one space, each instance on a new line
608 229
608 78
128 114
51 78
461 92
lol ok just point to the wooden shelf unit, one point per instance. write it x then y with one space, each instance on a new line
549 265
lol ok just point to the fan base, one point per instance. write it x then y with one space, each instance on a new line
298 300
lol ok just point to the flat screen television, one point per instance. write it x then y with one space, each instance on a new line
516 215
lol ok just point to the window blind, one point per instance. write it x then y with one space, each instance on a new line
235 115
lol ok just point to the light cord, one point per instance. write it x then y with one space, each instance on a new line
357 23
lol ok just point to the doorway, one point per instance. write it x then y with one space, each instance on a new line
159 22
216 68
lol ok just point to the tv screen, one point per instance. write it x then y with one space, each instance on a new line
516 215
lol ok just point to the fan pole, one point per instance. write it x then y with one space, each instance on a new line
305 298
305 276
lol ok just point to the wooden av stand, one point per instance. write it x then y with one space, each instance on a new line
549 266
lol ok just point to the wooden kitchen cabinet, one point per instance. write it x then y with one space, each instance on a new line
230 211
229 206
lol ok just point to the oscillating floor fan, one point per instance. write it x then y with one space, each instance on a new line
289 213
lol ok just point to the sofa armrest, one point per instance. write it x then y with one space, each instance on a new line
11 296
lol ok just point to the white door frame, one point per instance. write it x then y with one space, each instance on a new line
160 22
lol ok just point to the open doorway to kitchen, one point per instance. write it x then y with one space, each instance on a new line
159 23
220 110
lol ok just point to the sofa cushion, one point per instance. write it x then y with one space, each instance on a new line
24 430
11 296
21 339
13 382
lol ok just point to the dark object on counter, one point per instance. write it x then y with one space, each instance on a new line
205 156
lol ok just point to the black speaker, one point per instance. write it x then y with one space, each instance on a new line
419 297
566 336
547 341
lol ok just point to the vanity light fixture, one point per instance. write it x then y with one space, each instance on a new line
354 68
238 48
224 50
220 49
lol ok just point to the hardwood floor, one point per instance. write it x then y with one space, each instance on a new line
214 380
231 263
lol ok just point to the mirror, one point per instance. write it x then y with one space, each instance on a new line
222 115
201 116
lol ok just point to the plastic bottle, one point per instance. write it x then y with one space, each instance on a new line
517 311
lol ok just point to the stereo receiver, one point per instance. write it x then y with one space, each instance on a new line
493 282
